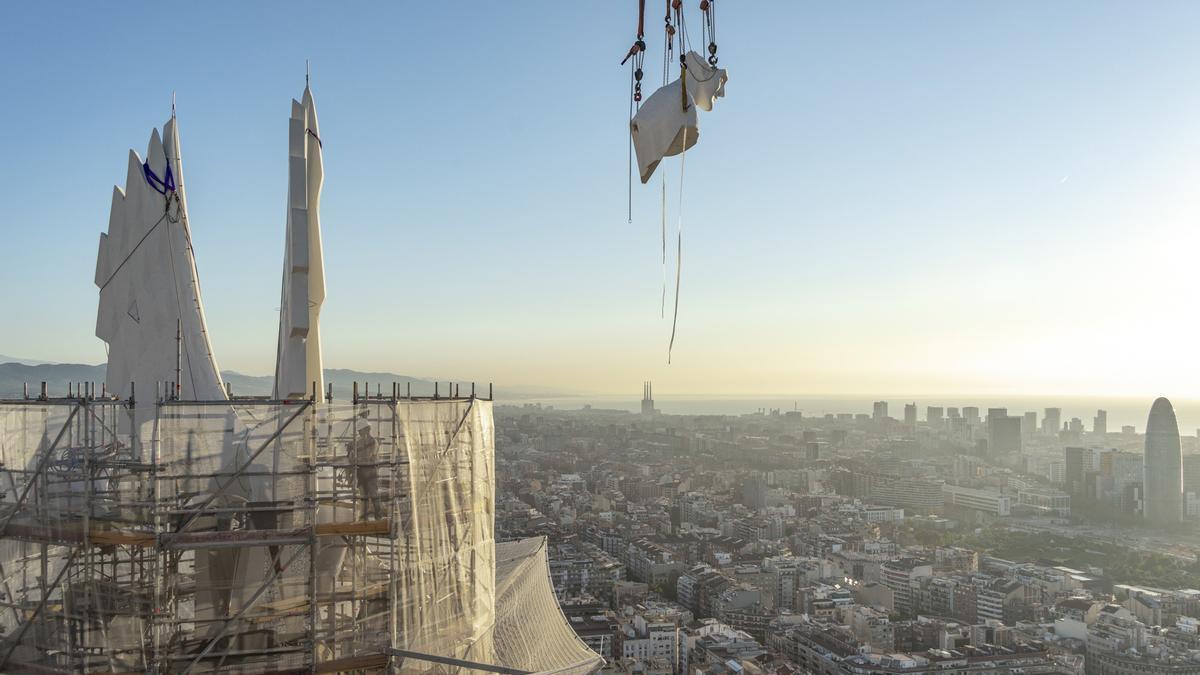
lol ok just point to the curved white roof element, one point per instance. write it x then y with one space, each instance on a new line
298 358
150 309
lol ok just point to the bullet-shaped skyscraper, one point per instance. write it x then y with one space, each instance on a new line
1163 466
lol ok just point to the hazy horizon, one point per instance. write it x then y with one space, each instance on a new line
539 391
913 198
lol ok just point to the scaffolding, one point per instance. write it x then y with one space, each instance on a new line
246 535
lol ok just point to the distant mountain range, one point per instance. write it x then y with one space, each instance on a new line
15 373
59 376
29 362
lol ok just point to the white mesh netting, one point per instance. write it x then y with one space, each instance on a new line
530 628
254 536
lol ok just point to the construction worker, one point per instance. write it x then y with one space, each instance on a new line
366 454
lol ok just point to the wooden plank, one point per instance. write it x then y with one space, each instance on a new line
353 663
120 538
354 527
101 536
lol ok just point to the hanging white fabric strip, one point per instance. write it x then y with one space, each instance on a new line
678 248
662 310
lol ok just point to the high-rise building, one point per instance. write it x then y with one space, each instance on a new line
971 414
1191 473
754 492
952 413
910 414
1004 435
1100 422
996 412
1125 468
1052 420
1077 462
880 413
1058 472
1163 466
1029 425
933 416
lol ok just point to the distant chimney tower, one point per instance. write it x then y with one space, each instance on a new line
648 399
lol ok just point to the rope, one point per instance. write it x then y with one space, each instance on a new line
684 45
630 166
178 391
678 247
638 53
162 186
180 215
135 248
662 310
195 281
709 7
668 50
685 41
711 74
668 44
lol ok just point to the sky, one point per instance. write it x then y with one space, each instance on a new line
919 197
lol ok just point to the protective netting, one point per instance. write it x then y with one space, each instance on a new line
447 551
59 486
234 516
530 631
256 536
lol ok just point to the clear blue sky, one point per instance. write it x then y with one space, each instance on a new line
918 196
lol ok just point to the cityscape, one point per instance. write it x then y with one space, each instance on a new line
909 289
898 540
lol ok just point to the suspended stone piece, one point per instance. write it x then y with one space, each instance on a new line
665 125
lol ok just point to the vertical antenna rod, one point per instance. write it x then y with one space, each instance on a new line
179 358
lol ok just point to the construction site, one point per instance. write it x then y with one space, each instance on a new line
264 536
161 524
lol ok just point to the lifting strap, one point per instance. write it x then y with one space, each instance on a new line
683 89
662 310
678 248
161 185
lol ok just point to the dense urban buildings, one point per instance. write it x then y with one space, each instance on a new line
854 543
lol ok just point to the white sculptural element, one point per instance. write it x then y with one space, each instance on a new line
705 83
666 124
298 367
150 312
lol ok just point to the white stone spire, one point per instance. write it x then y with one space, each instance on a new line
298 359
150 311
